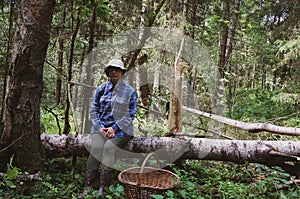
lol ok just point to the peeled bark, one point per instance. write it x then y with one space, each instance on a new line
175 109
270 153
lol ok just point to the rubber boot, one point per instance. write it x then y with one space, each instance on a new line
105 180
90 175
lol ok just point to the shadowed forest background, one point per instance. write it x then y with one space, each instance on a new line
48 74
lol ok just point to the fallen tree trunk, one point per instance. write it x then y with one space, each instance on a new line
285 154
251 127
24 177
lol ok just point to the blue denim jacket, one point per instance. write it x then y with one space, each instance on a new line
114 106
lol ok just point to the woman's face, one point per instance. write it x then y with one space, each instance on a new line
114 74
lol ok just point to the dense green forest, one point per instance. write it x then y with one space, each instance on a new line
236 59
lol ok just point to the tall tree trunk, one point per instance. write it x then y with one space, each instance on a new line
175 102
252 76
192 72
87 92
156 78
232 30
142 85
60 59
7 55
78 92
231 68
130 61
263 76
217 105
223 35
142 75
67 126
21 117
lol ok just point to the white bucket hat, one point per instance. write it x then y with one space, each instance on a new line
115 63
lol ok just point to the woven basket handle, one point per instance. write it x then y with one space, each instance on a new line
143 165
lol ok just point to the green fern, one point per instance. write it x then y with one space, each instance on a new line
11 173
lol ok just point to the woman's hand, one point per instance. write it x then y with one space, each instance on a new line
108 132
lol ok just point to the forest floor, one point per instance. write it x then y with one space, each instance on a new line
198 179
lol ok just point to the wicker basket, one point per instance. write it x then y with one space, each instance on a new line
142 182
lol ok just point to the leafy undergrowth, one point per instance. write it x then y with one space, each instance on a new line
198 179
